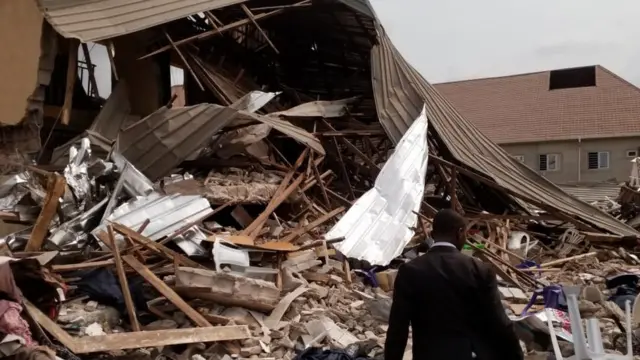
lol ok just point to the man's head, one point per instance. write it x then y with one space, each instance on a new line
449 226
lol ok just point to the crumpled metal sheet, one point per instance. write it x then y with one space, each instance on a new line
167 214
72 235
12 189
158 143
76 173
245 139
133 180
103 19
254 101
325 109
18 240
190 242
378 226
399 92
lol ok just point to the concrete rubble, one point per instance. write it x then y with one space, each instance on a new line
145 229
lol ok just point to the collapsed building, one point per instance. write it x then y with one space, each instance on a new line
291 110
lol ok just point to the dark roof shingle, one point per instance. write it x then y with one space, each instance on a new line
521 108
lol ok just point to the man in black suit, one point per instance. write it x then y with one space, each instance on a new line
452 303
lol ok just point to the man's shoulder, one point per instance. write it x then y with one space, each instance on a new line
422 260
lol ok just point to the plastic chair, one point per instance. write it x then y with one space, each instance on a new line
223 254
552 295
592 347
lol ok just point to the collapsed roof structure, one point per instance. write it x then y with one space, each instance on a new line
312 51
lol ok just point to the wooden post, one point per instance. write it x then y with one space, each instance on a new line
124 284
72 74
56 186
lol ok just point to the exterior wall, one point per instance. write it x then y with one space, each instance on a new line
20 31
574 159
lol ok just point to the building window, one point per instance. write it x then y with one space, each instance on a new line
519 158
572 78
632 153
549 162
598 160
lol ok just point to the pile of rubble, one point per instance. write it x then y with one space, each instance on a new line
270 214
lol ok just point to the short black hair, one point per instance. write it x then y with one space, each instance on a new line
447 222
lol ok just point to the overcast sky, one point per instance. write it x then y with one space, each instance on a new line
463 39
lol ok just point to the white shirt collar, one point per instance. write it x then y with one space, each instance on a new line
442 243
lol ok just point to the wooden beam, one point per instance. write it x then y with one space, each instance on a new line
323 190
82 266
312 225
276 200
184 60
124 284
141 339
56 186
72 75
155 247
345 174
273 205
110 47
222 29
255 23
166 291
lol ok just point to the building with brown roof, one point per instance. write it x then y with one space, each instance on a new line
577 125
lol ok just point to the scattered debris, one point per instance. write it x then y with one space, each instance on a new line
271 213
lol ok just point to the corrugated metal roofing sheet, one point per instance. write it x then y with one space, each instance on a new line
592 193
361 6
93 20
156 144
115 114
400 91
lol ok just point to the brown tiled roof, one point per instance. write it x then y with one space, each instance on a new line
521 108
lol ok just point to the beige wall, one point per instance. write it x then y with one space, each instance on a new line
20 30
570 162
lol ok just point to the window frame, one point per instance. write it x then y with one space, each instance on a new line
635 153
598 154
557 162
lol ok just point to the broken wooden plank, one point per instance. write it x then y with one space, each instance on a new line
566 260
255 23
141 339
223 29
273 204
165 290
56 186
277 198
312 225
184 60
154 246
124 284
82 266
